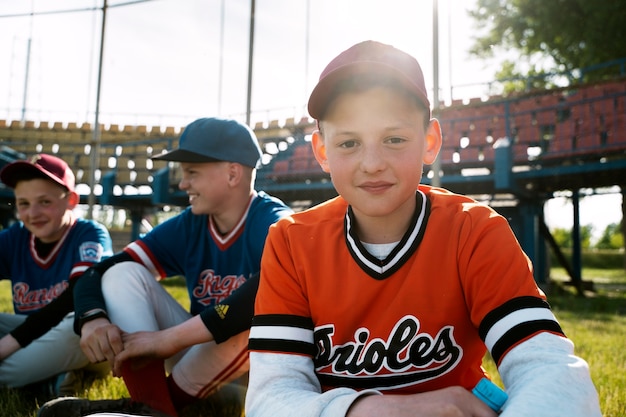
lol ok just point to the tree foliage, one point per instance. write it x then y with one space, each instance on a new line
612 237
564 238
563 36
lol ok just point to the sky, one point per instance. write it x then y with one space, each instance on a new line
168 62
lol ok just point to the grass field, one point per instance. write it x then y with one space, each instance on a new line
596 323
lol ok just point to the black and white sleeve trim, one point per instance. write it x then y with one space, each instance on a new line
515 321
282 333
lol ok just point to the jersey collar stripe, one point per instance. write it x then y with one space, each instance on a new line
381 269
419 225
502 326
48 260
224 241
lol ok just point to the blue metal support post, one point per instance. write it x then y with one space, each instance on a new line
576 243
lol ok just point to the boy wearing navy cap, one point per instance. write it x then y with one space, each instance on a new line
42 254
169 357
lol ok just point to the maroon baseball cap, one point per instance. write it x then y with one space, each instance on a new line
50 166
368 57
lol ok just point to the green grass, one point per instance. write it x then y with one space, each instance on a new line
596 324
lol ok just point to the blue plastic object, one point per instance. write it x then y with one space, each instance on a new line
490 394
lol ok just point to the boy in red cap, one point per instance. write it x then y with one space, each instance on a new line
384 300
41 254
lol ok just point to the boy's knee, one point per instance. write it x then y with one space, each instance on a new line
123 275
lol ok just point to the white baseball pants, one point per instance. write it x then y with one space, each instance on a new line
55 352
135 301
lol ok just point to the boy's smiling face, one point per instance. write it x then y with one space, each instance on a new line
45 208
374 144
207 185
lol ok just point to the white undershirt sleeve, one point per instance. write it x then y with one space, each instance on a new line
543 377
283 385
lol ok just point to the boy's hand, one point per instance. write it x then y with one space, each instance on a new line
163 343
145 344
101 340
446 402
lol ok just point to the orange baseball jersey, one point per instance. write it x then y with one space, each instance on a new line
457 283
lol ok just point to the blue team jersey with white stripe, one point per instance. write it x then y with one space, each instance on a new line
213 265
36 280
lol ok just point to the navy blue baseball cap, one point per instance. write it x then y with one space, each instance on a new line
214 140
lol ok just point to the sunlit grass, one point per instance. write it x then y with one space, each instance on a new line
597 326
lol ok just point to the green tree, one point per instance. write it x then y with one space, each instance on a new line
611 238
564 239
561 36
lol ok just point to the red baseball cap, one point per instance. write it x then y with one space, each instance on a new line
45 165
368 57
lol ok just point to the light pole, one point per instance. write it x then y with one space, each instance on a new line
27 69
94 161
221 67
250 56
436 166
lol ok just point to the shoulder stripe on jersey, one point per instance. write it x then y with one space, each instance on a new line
282 333
508 322
283 320
281 346
140 252
514 321
380 269
521 332
79 269
507 308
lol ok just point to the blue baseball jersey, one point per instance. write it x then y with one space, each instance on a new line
213 265
36 280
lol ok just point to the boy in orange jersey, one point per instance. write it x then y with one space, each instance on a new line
384 300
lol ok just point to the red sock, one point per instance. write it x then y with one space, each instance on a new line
146 383
179 397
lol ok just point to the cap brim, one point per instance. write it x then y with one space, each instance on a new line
181 155
9 172
323 91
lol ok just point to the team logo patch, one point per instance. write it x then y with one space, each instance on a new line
90 252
